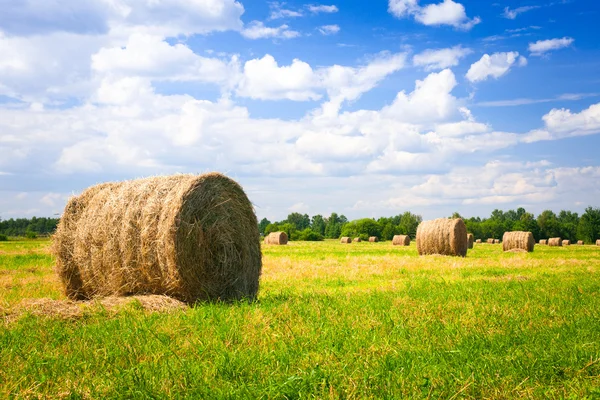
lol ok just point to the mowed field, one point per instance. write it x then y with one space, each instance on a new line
364 320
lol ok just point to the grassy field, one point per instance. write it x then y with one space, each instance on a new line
365 320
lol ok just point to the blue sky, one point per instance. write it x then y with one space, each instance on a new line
363 108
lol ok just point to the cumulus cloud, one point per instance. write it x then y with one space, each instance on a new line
278 11
495 66
447 12
433 59
563 123
543 46
329 29
512 14
258 30
322 9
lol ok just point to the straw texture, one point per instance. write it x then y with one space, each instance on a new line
442 236
518 240
401 240
278 238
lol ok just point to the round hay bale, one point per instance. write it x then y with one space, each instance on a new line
518 240
555 242
357 239
566 242
373 239
401 240
278 238
543 241
478 241
496 241
442 236
490 241
598 242
580 242
190 237
470 240
346 239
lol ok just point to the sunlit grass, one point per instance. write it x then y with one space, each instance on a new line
364 320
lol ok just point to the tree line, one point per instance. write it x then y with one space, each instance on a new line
566 224
28 227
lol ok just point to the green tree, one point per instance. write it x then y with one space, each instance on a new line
299 221
362 228
568 222
408 224
263 224
548 224
588 228
317 224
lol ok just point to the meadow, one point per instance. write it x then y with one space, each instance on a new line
364 320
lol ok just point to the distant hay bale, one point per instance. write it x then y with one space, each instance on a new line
555 242
401 240
442 236
580 242
346 239
490 241
478 241
543 241
598 242
566 242
496 241
190 237
279 238
357 239
518 240
373 239
470 240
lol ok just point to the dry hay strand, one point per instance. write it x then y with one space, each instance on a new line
490 241
518 240
345 239
190 237
278 238
401 240
357 239
543 241
470 240
580 242
373 239
566 242
442 236
555 242
478 241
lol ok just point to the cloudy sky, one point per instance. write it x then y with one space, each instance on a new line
367 108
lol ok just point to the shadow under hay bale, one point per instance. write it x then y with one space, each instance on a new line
442 236
190 237
470 240
346 240
373 239
555 242
518 240
279 238
401 240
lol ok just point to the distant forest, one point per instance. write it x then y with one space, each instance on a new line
565 224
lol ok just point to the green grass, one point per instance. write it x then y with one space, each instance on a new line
365 320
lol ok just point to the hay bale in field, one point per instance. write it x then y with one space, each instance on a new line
566 242
190 237
373 239
278 238
555 242
345 239
518 240
478 241
357 239
496 241
580 242
442 236
490 241
543 241
470 240
401 240
598 242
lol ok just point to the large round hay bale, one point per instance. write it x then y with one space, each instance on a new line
470 240
278 238
490 241
357 239
191 237
373 239
478 241
401 240
580 242
566 242
346 239
518 240
555 242
442 236
543 241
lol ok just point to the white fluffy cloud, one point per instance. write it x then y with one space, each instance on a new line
512 14
447 12
495 66
329 29
322 9
563 123
258 30
543 46
433 59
